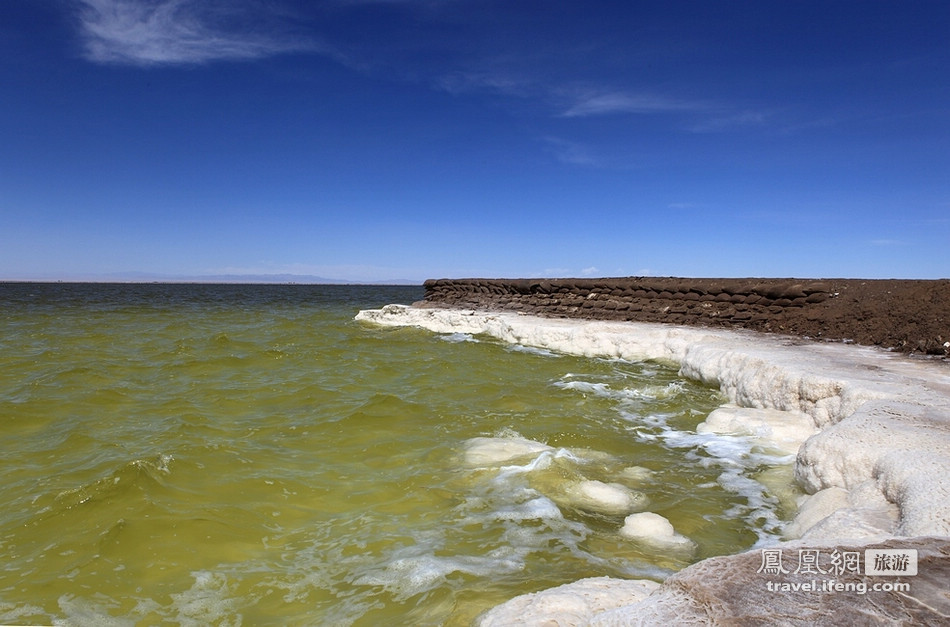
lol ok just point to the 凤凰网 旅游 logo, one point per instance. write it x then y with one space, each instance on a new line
834 570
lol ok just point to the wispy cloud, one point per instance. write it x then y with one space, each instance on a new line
570 152
585 102
168 32
730 121
699 115
460 82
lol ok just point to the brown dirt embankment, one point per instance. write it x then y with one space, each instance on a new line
911 316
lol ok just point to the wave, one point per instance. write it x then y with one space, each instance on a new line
137 475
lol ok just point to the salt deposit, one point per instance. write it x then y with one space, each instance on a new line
481 452
783 431
605 498
655 530
871 428
573 604
637 474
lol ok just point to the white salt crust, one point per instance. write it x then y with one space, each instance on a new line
780 431
492 451
871 428
651 528
571 604
606 498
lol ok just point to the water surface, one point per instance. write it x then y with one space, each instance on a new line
250 454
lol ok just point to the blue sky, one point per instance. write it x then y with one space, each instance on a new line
369 140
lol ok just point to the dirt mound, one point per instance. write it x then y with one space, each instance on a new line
911 316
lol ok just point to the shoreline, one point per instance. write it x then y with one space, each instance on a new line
905 315
878 470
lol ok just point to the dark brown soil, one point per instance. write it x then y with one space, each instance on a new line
911 316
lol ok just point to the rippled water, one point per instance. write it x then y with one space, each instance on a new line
250 454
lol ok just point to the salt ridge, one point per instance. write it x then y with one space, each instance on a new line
874 455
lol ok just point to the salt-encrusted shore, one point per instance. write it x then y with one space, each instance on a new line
909 316
875 459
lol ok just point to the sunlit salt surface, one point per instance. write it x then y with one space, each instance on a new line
252 455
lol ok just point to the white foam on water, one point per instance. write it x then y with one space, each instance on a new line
541 462
538 508
208 601
86 612
519 348
580 493
737 458
623 394
417 569
586 387
585 456
529 504
495 483
11 613
458 337
529 498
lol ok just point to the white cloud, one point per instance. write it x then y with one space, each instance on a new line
163 32
584 103
732 121
457 83
570 152
707 116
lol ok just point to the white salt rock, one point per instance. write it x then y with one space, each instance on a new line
571 604
784 431
480 452
862 513
653 529
638 474
815 508
606 498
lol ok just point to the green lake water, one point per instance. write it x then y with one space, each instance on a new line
251 455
